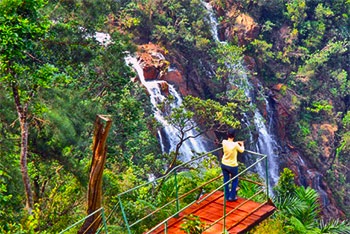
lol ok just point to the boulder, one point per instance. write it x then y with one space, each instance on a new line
152 59
238 26
164 88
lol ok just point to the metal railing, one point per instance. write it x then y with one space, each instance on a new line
102 214
176 200
178 197
174 174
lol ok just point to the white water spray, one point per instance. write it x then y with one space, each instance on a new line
168 135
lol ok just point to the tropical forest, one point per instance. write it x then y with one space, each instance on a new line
113 114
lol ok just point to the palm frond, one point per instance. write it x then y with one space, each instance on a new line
335 226
311 210
289 205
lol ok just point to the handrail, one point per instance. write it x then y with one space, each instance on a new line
178 210
252 152
166 175
165 205
201 200
225 215
242 172
76 223
251 181
151 182
170 217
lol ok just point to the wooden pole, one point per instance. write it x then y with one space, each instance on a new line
99 150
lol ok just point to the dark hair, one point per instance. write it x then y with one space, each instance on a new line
231 133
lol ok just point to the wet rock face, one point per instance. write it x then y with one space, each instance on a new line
324 135
237 26
164 87
153 62
156 66
309 172
285 108
307 176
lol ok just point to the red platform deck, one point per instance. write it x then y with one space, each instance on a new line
248 215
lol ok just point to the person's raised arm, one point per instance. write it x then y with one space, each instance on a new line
240 146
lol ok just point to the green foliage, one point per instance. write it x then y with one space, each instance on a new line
173 23
320 58
4 196
247 188
334 226
63 107
21 25
299 209
320 106
343 83
285 183
297 202
212 114
21 28
11 189
304 129
210 174
193 225
296 11
346 120
229 57
134 128
264 48
59 200
183 21
267 26
315 32
270 226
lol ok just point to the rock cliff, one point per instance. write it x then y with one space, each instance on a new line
240 27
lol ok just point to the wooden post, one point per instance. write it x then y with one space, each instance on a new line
99 150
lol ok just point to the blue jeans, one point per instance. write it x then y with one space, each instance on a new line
228 173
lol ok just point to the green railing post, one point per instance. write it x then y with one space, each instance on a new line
104 221
177 193
224 227
124 215
166 227
267 178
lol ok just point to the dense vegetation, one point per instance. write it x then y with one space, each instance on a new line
55 76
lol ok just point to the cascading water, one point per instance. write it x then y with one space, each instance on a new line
265 143
168 134
213 21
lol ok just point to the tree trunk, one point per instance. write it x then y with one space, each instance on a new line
22 112
92 223
24 166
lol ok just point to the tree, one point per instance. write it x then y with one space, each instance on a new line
202 116
22 26
101 131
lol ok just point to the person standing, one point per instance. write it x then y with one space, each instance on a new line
229 164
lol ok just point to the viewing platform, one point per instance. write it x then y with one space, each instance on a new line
242 215
172 203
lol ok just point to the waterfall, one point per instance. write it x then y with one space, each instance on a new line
265 143
168 134
213 21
